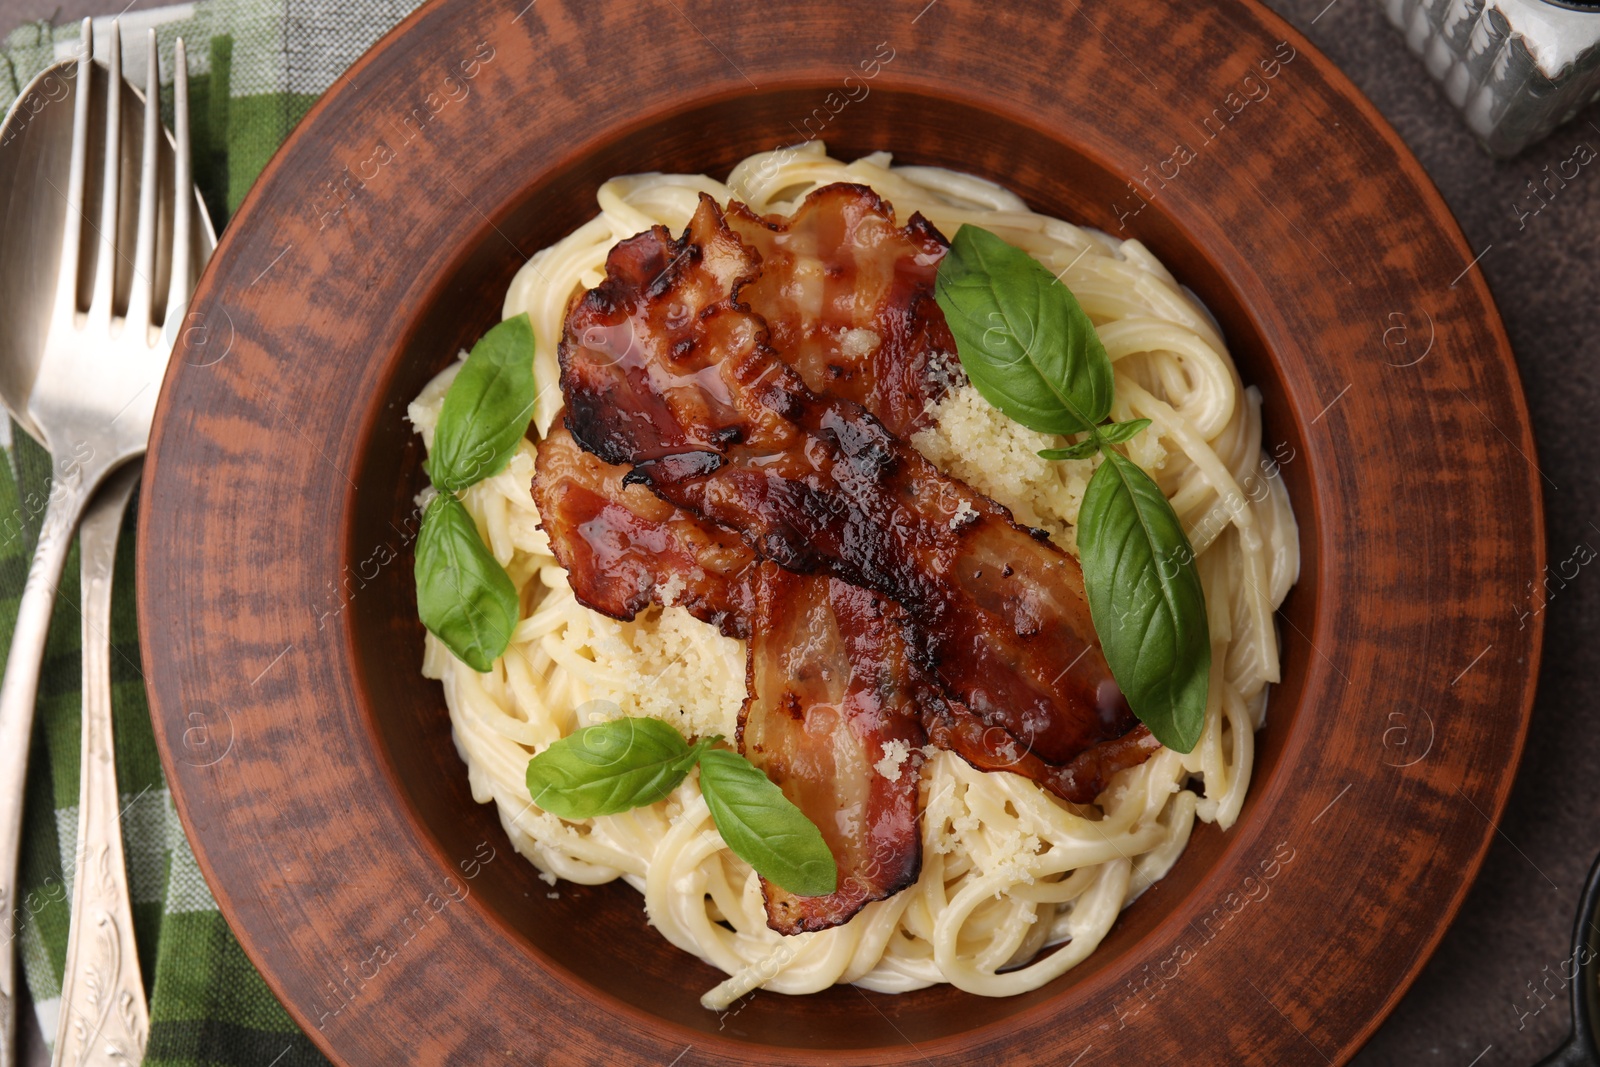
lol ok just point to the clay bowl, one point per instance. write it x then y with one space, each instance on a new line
313 766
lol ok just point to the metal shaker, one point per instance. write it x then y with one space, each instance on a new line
1516 69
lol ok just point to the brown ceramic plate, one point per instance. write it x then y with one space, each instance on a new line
313 766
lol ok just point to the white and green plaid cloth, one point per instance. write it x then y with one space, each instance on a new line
255 67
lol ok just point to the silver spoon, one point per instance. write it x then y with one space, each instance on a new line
1583 1044
81 361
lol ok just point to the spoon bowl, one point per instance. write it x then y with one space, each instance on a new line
36 154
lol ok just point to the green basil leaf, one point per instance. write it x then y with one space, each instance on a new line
1146 601
487 408
464 596
1117 432
764 827
1081 450
610 767
1110 434
1022 337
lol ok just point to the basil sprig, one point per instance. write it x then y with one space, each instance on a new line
1031 351
464 596
1146 601
613 766
487 408
1042 363
1112 433
764 827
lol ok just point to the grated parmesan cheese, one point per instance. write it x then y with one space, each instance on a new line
974 441
665 664
895 752
858 342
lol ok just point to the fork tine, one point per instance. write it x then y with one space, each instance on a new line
141 297
105 267
72 237
183 193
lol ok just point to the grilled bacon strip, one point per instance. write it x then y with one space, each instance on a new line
830 689
831 696
665 368
850 293
955 728
847 297
624 548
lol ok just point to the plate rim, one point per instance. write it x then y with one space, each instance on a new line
168 417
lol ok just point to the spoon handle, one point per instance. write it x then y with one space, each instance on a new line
1583 1044
1577 1052
104 1017
17 693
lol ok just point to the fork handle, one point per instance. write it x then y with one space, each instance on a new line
104 1018
17 693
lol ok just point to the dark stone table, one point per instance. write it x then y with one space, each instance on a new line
1482 1000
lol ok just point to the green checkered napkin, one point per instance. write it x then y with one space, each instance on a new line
255 68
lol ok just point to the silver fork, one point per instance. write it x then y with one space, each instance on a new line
104 1018
92 402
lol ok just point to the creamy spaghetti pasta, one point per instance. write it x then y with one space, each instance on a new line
1007 868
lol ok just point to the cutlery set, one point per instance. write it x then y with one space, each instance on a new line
109 195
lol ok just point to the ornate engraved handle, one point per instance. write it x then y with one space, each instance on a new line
104 1018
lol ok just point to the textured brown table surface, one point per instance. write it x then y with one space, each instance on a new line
1484 999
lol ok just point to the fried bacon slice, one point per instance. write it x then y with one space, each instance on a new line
830 688
664 368
850 295
826 659
953 727
624 548
847 297
831 716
